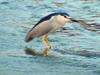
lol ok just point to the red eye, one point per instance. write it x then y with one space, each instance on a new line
65 16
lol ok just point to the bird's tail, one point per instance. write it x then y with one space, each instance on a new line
28 37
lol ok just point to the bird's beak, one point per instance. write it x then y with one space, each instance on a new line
72 19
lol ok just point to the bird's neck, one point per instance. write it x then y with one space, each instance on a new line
56 25
59 22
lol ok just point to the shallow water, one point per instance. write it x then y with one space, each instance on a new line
76 50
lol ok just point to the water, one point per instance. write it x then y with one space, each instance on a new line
70 55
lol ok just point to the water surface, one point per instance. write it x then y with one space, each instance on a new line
18 16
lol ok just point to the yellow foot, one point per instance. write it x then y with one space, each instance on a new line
45 52
49 47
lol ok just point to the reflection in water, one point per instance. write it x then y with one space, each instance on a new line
86 53
32 52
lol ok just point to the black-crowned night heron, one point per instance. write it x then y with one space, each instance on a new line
46 25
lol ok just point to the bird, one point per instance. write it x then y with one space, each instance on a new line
46 25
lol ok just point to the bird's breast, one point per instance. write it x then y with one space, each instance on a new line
56 26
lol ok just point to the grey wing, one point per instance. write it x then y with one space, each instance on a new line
38 31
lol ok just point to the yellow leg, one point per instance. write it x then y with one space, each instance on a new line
45 42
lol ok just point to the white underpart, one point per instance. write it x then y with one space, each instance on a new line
58 22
